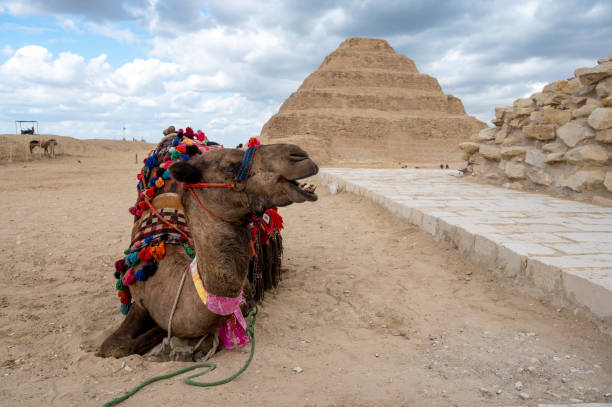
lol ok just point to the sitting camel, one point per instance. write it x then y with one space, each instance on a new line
218 219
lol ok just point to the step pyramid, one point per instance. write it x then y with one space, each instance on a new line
366 105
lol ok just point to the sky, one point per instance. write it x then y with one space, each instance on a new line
105 69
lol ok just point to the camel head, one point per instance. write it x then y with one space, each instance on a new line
272 180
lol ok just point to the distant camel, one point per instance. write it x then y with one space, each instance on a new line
47 145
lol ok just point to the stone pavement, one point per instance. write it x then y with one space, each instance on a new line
551 247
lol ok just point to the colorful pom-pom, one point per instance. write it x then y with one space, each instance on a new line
166 175
117 275
142 205
148 240
192 150
175 155
159 183
120 265
185 157
131 259
119 286
140 275
158 251
138 213
175 142
151 162
189 250
182 148
145 255
200 135
128 278
253 142
189 131
125 308
149 269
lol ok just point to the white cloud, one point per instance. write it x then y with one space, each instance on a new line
7 50
123 35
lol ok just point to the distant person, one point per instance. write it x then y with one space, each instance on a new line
441 166
239 146
446 166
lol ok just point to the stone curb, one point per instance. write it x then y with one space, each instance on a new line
581 282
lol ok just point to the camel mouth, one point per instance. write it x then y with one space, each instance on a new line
305 189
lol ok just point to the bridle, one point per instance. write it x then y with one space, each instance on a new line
241 178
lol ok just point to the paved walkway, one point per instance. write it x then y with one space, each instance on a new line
555 248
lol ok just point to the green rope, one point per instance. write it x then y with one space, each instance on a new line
250 332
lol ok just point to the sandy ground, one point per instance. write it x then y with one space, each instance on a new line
373 310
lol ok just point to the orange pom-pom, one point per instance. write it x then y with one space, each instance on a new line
159 251
159 183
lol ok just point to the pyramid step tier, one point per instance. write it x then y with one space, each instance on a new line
434 102
365 79
364 60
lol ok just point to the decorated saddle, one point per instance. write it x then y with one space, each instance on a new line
159 220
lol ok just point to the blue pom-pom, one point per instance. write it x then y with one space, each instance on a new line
152 161
185 156
140 275
152 181
148 240
166 175
175 142
125 308
131 259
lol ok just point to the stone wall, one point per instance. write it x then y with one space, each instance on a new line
558 140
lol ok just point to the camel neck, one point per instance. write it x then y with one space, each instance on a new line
222 250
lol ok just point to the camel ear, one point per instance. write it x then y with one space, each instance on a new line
186 172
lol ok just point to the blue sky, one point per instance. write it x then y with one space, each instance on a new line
85 69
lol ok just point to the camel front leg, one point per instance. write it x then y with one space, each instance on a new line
137 334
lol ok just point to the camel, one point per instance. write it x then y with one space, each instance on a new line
47 145
222 243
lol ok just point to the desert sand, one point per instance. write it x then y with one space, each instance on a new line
374 311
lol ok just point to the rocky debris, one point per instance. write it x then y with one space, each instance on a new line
367 103
523 395
558 140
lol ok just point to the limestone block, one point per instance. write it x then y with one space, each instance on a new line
540 132
556 86
500 112
501 135
493 176
600 200
574 132
515 170
523 103
522 111
583 179
539 177
535 158
543 99
553 158
514 151
555 147
585 110
601 118
551 115
604 60
519 122
608 181
590 76
604 88
573 86
490 152
604 136
469 147
591 154
516 137
607 102
485 134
